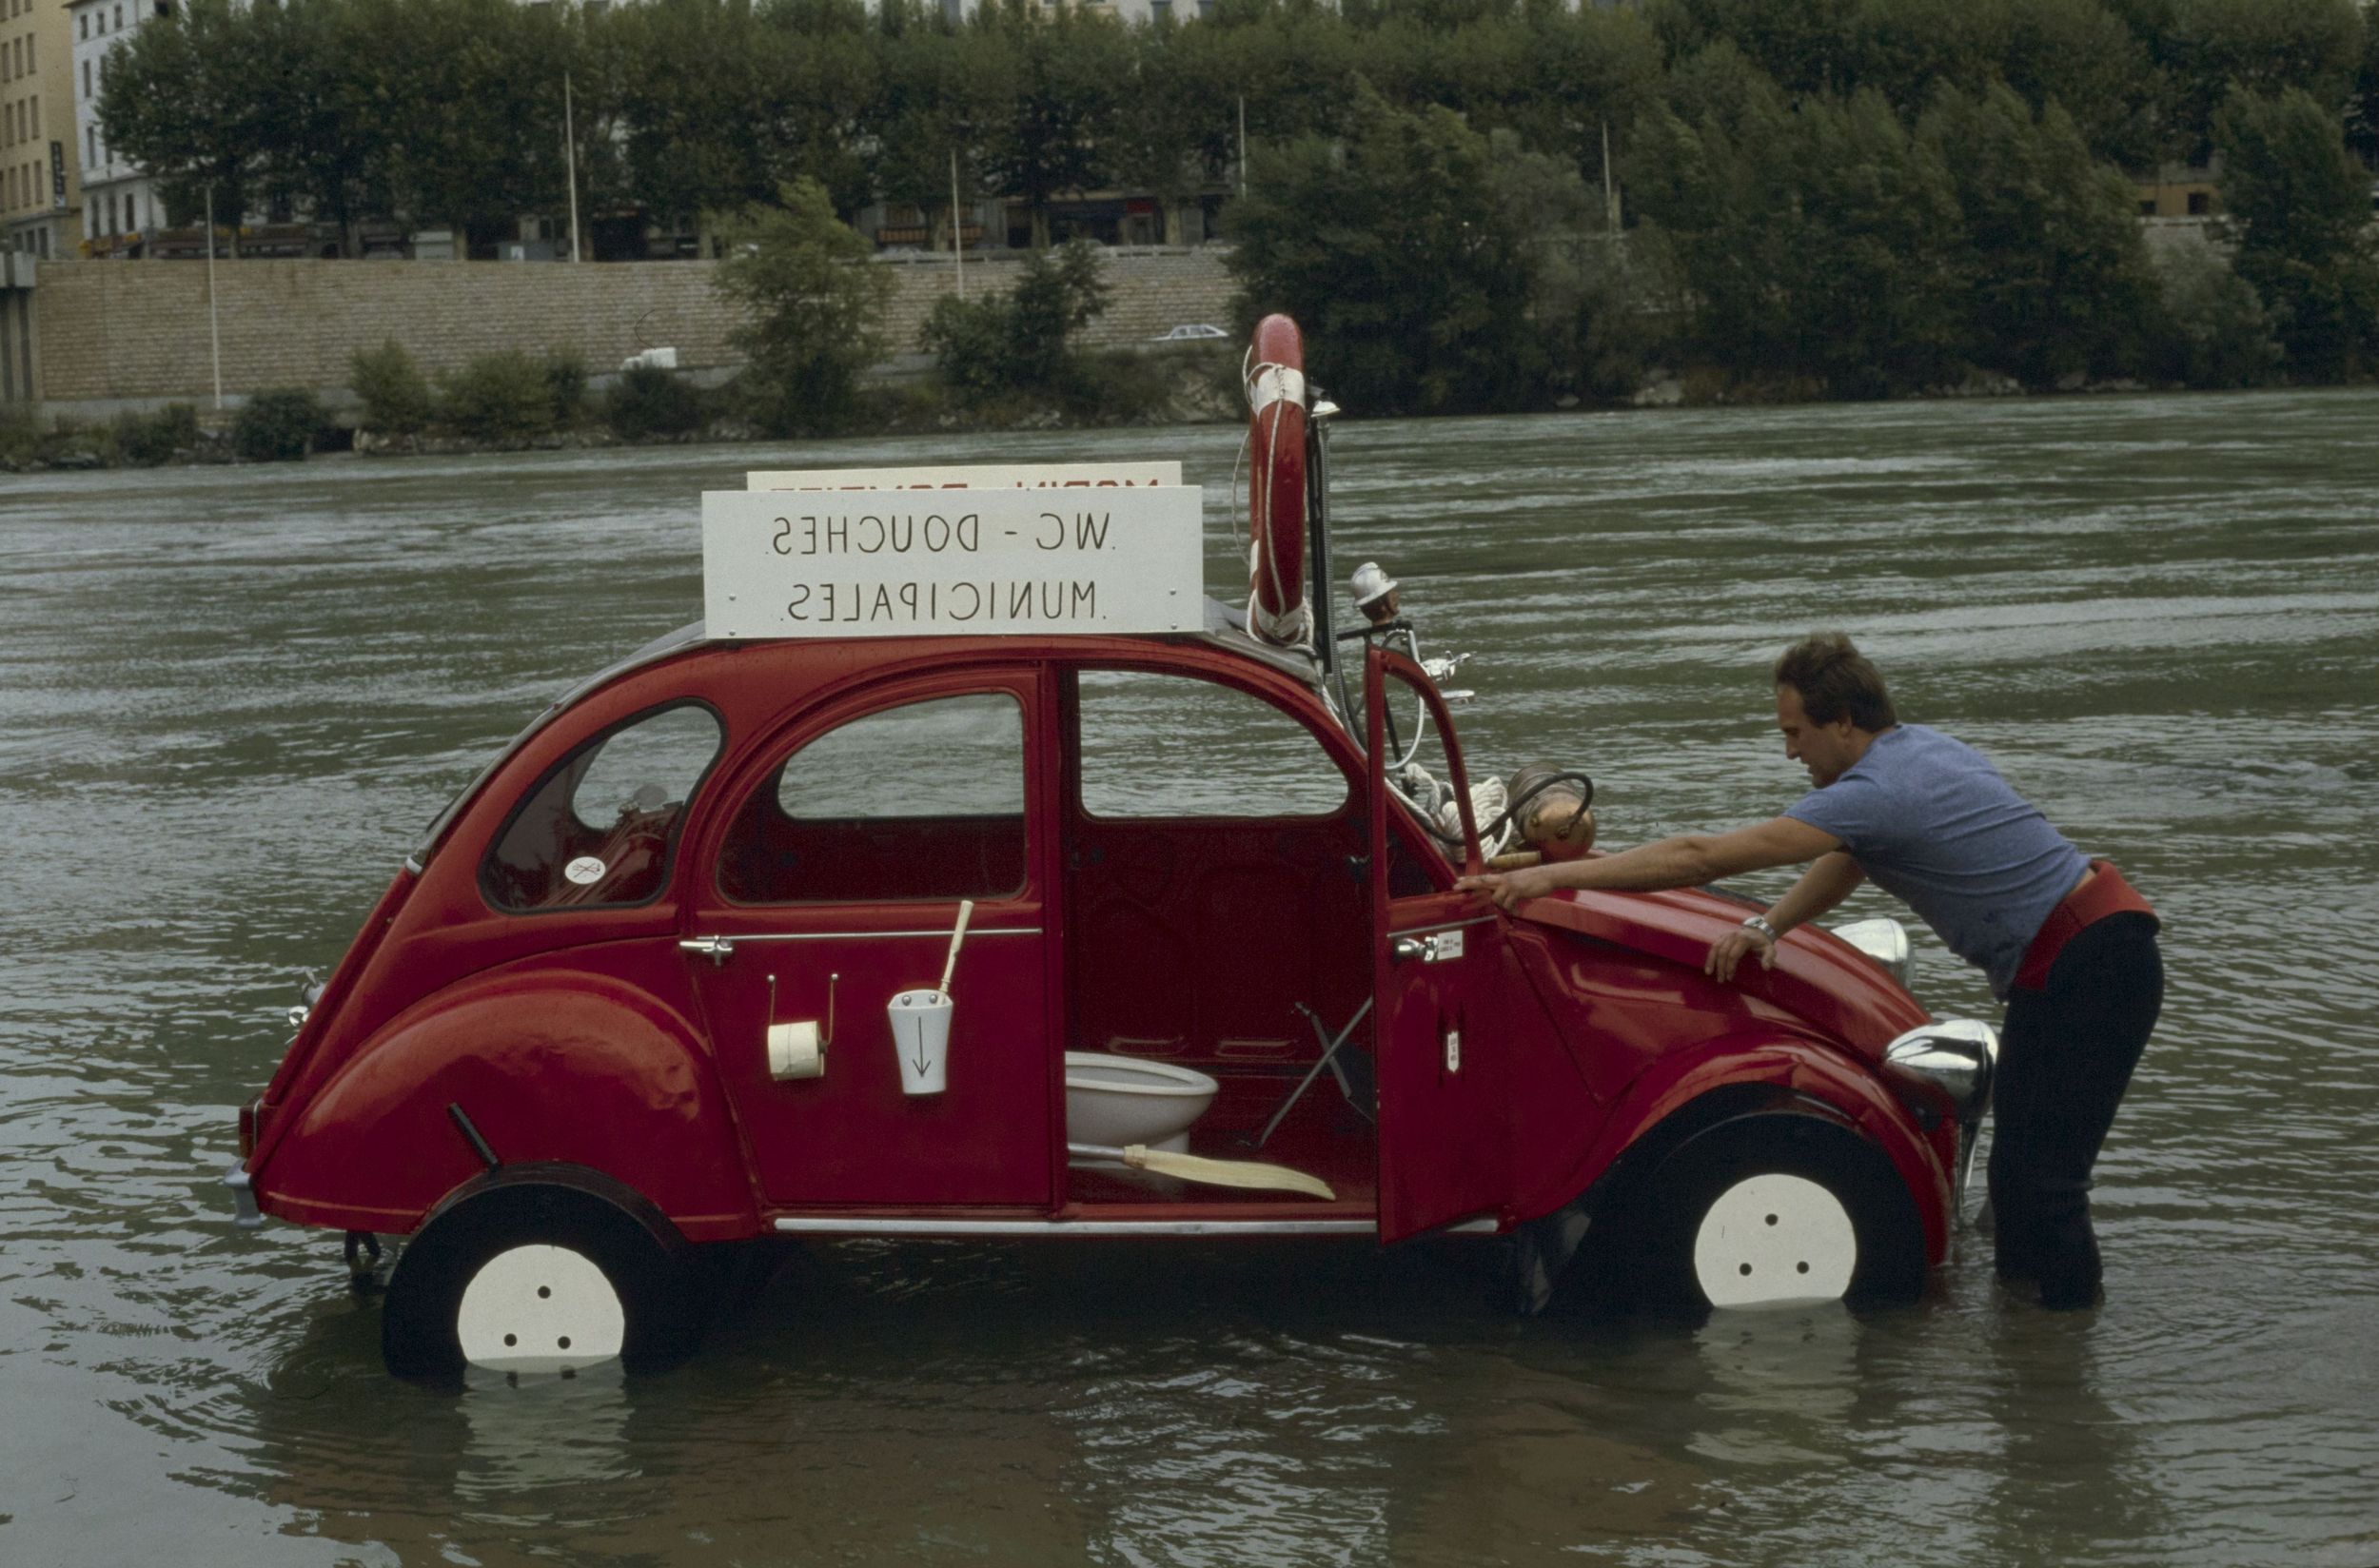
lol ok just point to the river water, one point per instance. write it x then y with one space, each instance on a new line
230 699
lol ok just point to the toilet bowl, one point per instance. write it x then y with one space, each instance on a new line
1112 1101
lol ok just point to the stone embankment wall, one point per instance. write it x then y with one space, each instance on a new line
135 333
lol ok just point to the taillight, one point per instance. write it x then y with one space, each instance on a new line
248 1130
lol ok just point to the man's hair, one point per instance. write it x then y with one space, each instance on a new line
1834 680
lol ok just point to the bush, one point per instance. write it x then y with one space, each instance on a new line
148 440
649 402
565 380
1020 343
814 308
279 426
2217 332
20 437
502 397
395 394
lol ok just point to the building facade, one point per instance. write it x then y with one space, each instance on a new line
40 177
122 211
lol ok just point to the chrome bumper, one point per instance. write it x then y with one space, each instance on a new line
248 1217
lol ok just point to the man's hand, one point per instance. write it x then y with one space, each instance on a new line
1505 890
1728 950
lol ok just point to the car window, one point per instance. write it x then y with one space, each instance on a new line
1165 745
921 800
599 828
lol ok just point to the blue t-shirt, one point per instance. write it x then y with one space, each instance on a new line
1932 822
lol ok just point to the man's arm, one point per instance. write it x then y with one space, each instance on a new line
1826 884
1684 862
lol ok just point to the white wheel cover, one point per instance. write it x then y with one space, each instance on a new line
540 1310
1774 1238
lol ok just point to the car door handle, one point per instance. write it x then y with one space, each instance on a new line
1435 948
717 949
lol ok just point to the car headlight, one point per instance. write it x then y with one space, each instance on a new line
1955 1055
1884 940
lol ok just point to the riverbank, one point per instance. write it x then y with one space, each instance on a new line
1189 383
916 408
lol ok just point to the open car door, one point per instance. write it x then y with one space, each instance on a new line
1444 1112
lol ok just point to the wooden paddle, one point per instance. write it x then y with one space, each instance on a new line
1197 1167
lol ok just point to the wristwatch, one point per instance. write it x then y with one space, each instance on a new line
1759 924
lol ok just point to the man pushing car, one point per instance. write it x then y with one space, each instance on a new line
2065 941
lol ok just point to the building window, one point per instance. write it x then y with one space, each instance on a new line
90 145
85 20
2200 204
86 78
119 18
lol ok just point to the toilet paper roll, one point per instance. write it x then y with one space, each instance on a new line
795 1051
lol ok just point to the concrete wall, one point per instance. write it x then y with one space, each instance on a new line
128 333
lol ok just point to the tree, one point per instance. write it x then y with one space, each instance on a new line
1176 132
939 95
813 307
2299 207
1391 249
1021 344
2263 47
2061 282
2215 332
697 78
178 101
1819 240
1060 127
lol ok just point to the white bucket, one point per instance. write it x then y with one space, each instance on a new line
920 1031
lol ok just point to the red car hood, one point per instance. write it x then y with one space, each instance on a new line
1818 976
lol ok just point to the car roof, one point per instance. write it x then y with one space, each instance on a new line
1226 628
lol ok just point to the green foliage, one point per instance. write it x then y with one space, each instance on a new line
814 308
503 397
1020 345
2061 282
20 436
2299 207
394 394
149 439
413 107
2216 333
1822 242
2265 48
565 382
279 426
649 403
1393 249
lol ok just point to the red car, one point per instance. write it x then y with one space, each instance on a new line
665 977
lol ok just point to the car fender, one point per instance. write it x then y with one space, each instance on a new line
564 1066
1801 1067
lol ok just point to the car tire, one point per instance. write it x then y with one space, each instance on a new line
1772 1208
539 1276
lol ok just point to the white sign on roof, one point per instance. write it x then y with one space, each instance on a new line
892 562
1048 476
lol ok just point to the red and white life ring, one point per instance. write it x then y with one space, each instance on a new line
1275 374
